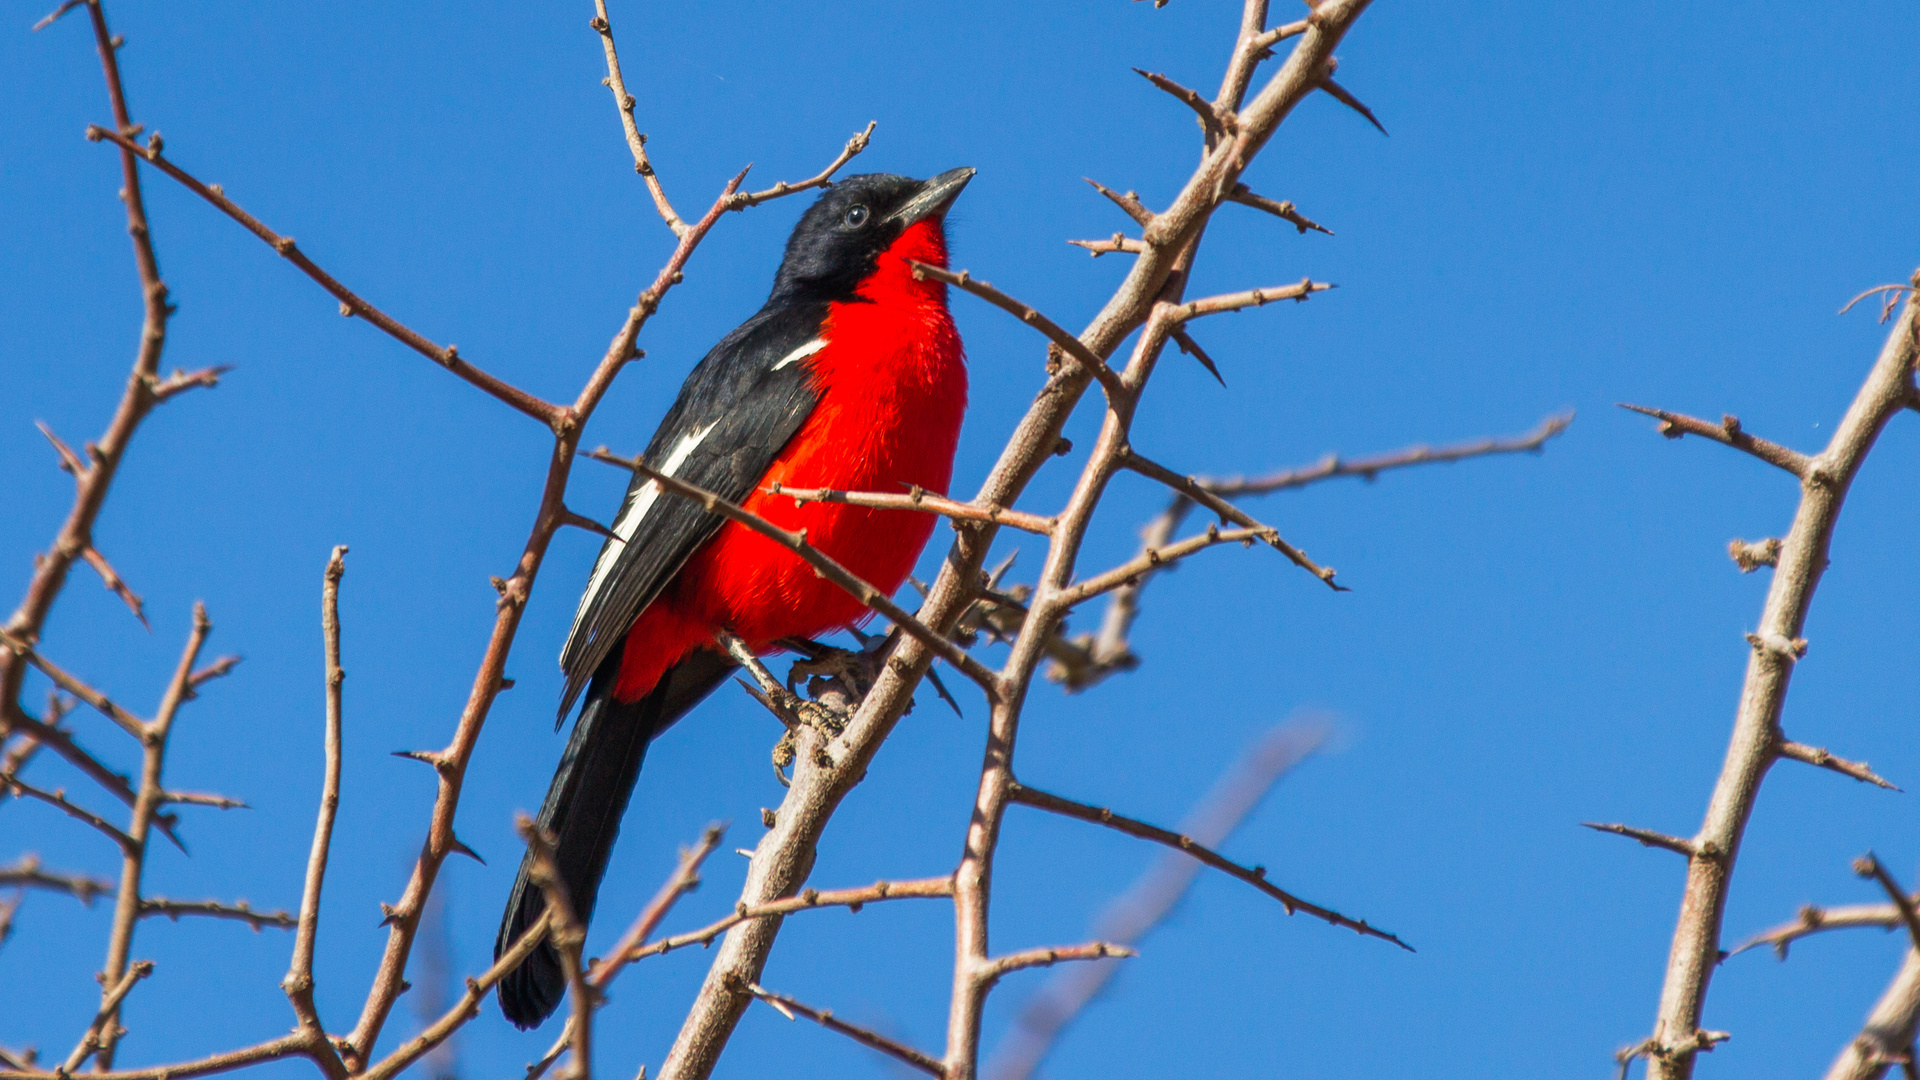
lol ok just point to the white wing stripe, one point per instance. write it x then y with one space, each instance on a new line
801 353
628 522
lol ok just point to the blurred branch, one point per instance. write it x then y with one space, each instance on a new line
1154 895
26 873
239 912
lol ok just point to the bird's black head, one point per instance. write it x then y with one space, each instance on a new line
841 237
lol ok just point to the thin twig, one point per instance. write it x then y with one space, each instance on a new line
1285 211
463 1010
1816 920
824 178
851 899
1026 313
636 142
921 500
1728 432
569 936
1646 837
447 356
789 1008
27 874
1246 298
239 911
1191 488
298 982
97 1037
1817 756
1001 966
1252 875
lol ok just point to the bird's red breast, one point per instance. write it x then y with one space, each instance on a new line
892 382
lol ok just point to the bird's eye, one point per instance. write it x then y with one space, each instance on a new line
856 217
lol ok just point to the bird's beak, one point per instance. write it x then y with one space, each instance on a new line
934 197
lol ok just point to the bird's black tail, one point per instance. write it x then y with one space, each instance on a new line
583 810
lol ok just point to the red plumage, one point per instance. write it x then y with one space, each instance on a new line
892 381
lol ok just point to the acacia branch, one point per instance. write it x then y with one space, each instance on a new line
112 580
1755 743
1647 838
921 500
1334 467
447 356
789 1008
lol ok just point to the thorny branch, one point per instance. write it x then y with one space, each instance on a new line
1776 647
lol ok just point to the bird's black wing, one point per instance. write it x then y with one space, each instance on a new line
735 413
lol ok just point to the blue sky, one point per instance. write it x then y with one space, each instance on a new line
1578 205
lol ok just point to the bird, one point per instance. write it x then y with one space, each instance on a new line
851 376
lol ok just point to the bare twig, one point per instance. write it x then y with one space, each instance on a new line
298 982
239 912
824 178
1334 467
447 356
97 1037
1818 757
1030 315
568 935
1118 242
789 1008
684 879
1237 301
58 799
851 899
1646 837
112 580
146 813
1868 866
636 142
1252 875
1728 432
1001 966
1192 489
463 1010
1285 211
924 501
27 874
